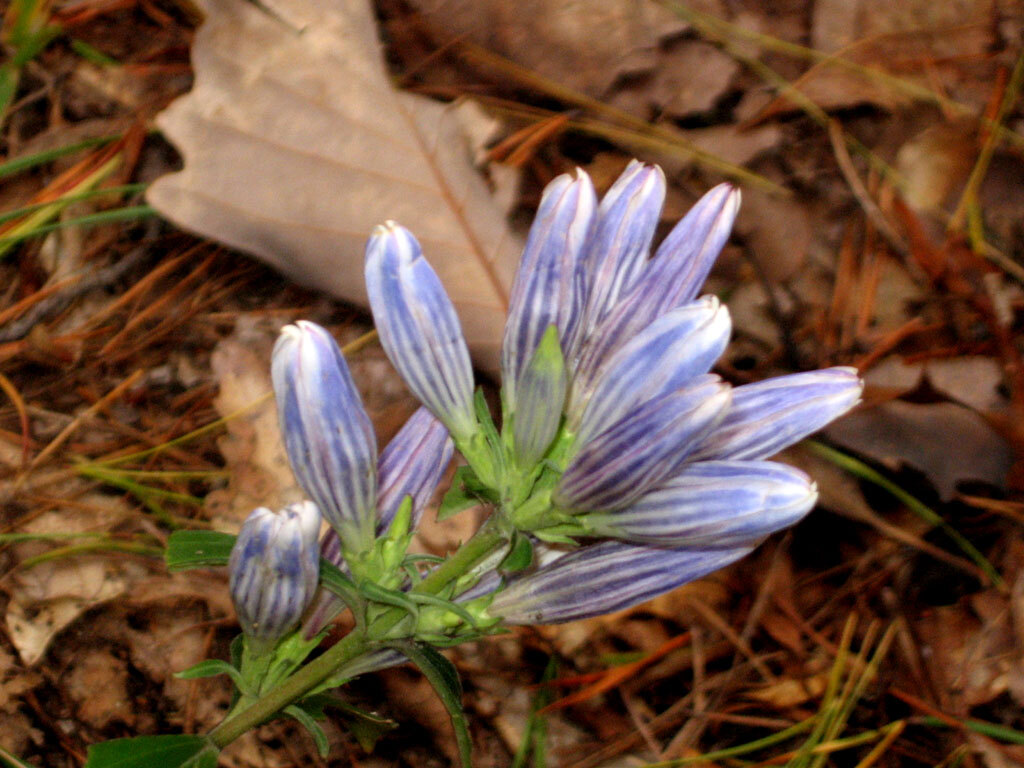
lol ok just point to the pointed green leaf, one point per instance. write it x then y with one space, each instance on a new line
211 668
306 720
175 751
198 549
441 674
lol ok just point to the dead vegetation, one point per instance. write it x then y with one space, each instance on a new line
879 150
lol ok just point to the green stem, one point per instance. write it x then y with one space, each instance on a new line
488 539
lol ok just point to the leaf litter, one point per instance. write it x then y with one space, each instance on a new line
857 264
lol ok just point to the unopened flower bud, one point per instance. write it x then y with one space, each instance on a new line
274 568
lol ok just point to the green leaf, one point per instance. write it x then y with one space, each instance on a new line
483 415
174 751
520 554
391 597
444 678
305 719
198 549
211 668
466 492
337 582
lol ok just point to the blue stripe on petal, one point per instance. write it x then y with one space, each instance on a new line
602 578
626 223
549 289
771 415
713 504
665 356
419 328
634 455
327 434
274 568
412 464
672 278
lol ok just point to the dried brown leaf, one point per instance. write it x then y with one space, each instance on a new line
296 145
921 435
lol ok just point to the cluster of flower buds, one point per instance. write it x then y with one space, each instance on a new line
333 452
617 441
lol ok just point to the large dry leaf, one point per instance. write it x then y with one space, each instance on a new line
945 441
296 146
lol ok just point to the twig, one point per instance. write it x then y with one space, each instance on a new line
56 303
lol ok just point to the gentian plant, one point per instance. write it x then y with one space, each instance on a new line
619 469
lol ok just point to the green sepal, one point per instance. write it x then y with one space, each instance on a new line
169 751
198 549
540 399
466 492
444 678
212 668
337 582
450 612
307 721
520 554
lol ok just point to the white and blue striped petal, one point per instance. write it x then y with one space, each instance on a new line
671 279
626 222
603 578
635 454
419 328
549 289
327 434
713 504
412 464
668 354
273 569
771 415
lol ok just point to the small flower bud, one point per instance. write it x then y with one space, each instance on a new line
548 289
713 504
274 568
418 327
770 415
602 578
328 436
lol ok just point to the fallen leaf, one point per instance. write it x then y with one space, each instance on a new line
258 469
47 597
296 145
971 380
921 42
920 435
585 46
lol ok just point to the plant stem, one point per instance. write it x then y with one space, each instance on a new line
348 648
489 538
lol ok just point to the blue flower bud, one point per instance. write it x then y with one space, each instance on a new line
671 279
412 464
771 415
626 222
548 289
327 434
648 445
419 328
667 355
602 578
713 504
274 567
